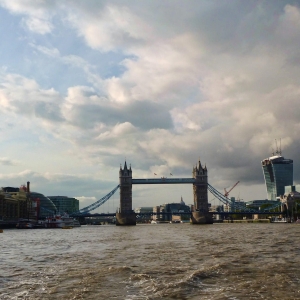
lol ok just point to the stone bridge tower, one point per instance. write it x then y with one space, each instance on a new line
200 215
125 216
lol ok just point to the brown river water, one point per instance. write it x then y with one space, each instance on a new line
159 261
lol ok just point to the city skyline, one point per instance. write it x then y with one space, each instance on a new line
85 86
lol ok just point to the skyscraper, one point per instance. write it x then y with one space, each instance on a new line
278 173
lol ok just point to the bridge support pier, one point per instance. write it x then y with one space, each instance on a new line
201 218
125 216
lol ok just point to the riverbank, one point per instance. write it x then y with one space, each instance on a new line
248 221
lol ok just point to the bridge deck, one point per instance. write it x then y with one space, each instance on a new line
163 180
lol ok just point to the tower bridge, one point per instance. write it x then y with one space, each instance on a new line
200 215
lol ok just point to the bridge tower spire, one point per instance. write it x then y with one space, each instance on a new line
200 215
125 215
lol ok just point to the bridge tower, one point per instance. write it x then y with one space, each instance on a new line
125 215
200 215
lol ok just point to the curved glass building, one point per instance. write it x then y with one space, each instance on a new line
278 173
45 206
65 204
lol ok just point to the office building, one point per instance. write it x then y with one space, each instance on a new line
65 204
278 173
291 199
141 210
256 204
13 203
166 211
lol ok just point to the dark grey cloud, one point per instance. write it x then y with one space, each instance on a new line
49 111
8 162
148 115
145 115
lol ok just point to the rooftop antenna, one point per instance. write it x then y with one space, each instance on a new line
280 147
273 153
276 147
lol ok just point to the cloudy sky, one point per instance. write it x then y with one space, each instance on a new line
85 85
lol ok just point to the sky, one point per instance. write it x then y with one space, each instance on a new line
86 85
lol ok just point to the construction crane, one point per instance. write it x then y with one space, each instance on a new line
226 194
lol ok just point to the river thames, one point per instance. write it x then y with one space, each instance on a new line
162 261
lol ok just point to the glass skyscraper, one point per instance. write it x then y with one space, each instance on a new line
278 173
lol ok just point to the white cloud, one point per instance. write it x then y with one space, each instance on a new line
37 16
110 27
85 201
41 26
52 52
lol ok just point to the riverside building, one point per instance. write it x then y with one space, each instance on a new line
291 199
278 173
65 204
21 203
14 203
172 209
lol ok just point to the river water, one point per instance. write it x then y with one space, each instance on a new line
162 261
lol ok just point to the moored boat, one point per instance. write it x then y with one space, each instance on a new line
56 221
29 224
278 220
70 221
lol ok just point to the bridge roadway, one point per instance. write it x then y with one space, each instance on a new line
163 180
88 215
